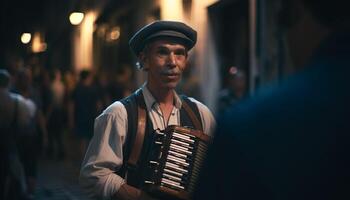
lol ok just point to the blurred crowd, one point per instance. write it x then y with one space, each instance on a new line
41 109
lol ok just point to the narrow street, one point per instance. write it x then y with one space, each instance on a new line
58 180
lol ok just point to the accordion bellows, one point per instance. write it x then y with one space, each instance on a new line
174 163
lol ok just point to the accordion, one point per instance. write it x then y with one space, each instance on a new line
174 162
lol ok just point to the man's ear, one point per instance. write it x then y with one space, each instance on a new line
142 60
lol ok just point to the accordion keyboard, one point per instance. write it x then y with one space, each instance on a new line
181 154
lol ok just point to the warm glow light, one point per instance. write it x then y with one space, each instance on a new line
25 38
114 34
171 10
101 31
76 18
83 42
39 44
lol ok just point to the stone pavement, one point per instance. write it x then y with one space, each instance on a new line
58 180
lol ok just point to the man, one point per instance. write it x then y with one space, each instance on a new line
83 108
162 49
292 140
235 90
16 113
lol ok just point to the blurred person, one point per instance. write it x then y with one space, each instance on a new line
162 49
16 115
84 106
28 143
291 141
56 116
125 79
103 88
235 90
70 82
42 88
120 85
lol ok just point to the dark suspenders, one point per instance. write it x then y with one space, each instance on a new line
189 114
131 105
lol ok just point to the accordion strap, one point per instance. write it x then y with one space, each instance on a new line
197 124
140 132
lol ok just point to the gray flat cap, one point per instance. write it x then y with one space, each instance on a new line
163 29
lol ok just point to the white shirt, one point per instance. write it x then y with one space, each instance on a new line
26 109
105 152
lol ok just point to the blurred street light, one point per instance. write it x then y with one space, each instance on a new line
39 44
114 34
76 18
25 38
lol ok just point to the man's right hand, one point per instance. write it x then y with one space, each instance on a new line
128 192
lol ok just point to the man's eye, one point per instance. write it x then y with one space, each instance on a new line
163 52
180 53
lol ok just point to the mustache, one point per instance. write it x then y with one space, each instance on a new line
174 71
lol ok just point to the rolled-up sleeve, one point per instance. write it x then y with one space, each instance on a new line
104 155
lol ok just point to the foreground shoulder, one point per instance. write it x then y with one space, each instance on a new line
200 105
25 104
115 109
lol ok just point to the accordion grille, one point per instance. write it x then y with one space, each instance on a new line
197 163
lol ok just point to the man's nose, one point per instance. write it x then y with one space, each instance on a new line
172 59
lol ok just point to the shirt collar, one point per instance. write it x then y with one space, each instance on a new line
150 101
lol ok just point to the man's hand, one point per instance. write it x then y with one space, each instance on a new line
128 192
145 196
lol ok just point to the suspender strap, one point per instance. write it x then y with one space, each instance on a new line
131 105
140 131
189 110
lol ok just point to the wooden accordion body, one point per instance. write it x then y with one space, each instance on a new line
174 163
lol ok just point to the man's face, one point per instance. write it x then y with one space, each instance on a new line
165 61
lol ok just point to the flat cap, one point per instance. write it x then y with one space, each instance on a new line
168 29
